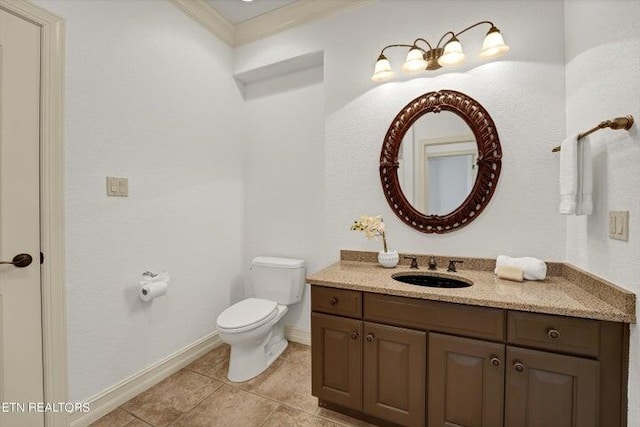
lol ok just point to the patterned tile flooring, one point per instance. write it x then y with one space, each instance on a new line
201 395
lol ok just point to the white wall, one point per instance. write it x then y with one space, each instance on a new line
284 173
524 94
149 96
602 75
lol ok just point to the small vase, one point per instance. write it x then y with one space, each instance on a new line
388 259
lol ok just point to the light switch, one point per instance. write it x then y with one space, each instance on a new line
124 187
117 187
619 225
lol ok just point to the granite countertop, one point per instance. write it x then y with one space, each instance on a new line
570 293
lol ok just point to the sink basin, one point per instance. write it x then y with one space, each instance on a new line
431 281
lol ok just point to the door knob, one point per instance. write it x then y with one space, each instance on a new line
354 335
369 337
20 261
333 301
495 361
518 366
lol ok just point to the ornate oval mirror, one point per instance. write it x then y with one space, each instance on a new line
439 171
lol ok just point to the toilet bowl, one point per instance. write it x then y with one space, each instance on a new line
254 331
253 327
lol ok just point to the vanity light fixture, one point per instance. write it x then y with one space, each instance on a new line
449 55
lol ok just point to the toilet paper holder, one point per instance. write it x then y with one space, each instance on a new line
153 285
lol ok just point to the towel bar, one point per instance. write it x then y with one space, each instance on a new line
617 123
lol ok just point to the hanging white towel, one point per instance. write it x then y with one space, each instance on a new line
569 175
576 177
585 175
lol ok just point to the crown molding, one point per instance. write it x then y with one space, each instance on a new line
205 15
289 16
268 24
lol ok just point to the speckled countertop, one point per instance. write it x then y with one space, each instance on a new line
571 292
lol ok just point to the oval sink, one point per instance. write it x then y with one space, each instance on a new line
431 281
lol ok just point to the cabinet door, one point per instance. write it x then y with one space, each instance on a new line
336 359
466 382
395 374
550 390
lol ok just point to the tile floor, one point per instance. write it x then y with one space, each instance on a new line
201 395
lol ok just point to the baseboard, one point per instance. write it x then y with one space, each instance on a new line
302 336
114 396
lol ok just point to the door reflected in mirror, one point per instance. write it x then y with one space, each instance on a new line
437 163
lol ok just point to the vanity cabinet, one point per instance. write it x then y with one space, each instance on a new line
467 385
418 362
336 345
547 389
376 369
466 382
394 373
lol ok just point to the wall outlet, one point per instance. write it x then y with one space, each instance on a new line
117 187
619 225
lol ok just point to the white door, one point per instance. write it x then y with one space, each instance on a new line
21 377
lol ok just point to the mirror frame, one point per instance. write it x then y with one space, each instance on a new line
489 160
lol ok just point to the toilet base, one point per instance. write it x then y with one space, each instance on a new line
250 360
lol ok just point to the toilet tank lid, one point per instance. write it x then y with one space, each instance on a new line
274 262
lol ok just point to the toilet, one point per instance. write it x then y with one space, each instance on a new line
253 327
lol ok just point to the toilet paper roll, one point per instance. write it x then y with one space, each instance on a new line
510 273
153 290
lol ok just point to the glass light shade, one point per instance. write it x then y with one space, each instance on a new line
415 61
493 45
382 70
452 54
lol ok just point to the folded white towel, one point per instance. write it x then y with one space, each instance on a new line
533 268
576 177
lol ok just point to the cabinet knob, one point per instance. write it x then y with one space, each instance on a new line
354 335
495 361
518 366
553 334
333 301
369 337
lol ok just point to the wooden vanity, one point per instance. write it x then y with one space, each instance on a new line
417 361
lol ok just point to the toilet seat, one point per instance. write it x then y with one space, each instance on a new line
246 315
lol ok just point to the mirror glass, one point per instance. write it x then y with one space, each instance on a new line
437 163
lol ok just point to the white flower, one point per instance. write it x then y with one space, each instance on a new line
373 226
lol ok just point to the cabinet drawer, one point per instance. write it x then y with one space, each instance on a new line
456 319
564 334
336 301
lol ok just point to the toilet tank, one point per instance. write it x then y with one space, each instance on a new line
278 279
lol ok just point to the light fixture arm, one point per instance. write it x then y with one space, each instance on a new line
445 35
420 39
473 26
398 45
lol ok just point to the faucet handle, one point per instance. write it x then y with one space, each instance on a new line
433 265
452 265
414 261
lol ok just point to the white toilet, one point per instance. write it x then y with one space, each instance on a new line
253 327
